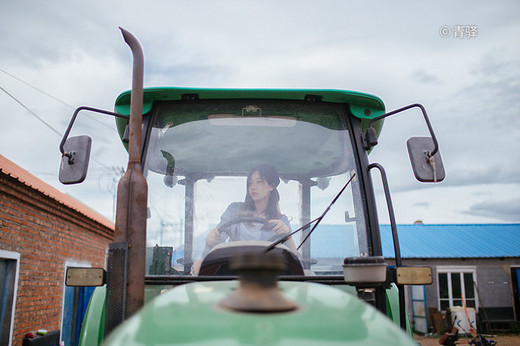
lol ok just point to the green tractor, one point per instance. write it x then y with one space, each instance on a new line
247 217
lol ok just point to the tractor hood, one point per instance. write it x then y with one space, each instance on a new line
190 314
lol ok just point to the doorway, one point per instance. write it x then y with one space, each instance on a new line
9 269
515 283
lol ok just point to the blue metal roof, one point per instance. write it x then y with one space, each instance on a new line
449 241
332 241
425 241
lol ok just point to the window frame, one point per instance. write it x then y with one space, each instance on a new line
12 256
344 118
456 270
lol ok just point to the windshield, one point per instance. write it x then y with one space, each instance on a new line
210 164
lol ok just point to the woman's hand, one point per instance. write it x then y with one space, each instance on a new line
279 227
213 238
195 268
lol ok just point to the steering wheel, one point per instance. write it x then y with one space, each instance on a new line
267 226
227 230
216 262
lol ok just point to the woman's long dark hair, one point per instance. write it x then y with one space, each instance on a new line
270 175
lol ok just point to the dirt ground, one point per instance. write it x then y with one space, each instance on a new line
502 340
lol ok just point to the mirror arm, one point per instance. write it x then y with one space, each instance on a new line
73 119
426 119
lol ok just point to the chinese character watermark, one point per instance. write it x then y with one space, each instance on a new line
459 31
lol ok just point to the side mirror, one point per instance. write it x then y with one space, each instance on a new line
75 159
425 168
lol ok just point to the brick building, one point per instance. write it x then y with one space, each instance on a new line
43 231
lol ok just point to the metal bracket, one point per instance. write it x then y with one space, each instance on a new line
370 136
73 119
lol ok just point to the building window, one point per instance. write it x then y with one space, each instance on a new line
9 268
456 285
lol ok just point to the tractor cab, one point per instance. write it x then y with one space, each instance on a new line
198 154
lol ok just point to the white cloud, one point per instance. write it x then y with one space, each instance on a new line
470 87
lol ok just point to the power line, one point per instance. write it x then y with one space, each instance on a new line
38 89
30 111
51 96
43 121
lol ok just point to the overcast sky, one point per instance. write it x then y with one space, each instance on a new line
460 59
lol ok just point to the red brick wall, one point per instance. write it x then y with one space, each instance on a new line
46 234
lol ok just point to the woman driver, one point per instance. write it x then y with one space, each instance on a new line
261 201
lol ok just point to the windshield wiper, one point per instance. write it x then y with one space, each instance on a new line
316 221
286 237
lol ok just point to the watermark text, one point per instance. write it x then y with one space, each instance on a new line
459 31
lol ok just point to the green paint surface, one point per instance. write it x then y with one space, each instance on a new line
189 314
361 105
